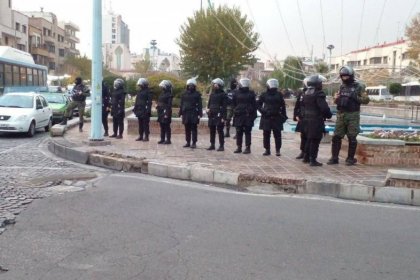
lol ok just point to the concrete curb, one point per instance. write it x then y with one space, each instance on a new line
198 173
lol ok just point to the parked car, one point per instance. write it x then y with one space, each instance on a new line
23 112
88 106
58 103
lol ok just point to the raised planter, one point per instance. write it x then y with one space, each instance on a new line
387 152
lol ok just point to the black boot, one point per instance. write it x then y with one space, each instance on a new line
211 148
335 150
80 126
305 158
227 134
278 153
162 141
64 121
238 150
221 148
146 138
193 146
186 145
314 162
140 138
267 152
106 133
167 142
352 151
247 150
300 156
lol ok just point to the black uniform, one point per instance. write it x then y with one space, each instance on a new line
316 110
217 116
118 111
105 107
142 110
298 116
244 115
191 111
164 111
273 114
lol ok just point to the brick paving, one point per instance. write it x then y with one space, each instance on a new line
285 166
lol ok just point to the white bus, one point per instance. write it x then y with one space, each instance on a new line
410 92
379 93
19 73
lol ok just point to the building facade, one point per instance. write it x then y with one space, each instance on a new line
13 27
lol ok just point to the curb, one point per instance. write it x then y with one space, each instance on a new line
198 173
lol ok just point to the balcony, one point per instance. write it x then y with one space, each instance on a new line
39 50
72 52
72 38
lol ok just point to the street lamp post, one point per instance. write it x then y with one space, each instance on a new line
330 48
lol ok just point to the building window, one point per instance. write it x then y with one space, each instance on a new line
51 65
113 36
385 60
365 62
114 30
17 26
375 60
113 41
61 52
10 3
24 29
405 55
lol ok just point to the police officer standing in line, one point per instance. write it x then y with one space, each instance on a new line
105 107
191 110
348 100
143 109
216 111
315 111
298 117
229 105
118 108
164 111
244 114
273 114
78 97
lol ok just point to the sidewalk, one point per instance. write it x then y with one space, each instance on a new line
253 172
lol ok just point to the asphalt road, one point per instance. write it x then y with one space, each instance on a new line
143 227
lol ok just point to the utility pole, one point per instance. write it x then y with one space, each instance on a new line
330 48
96 114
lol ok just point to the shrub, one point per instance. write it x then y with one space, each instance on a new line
395 88
178 85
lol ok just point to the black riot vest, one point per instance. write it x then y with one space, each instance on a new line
190 101
347 100
273 103
311 109
244 101
216 101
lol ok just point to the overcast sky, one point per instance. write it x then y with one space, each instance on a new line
281 24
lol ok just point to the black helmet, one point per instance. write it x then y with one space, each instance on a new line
315 81
347 71
118 83
78 81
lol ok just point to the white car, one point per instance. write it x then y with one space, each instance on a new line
24 112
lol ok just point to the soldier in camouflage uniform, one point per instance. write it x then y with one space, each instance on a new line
78 97
349 98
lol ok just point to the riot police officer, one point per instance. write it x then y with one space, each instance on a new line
348 99
191 110
143 109
244 114
229 105
164 111
105 107
273 115
216 111
315 111
118 108
298 117
78 97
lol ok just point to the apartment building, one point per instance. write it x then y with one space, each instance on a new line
13 27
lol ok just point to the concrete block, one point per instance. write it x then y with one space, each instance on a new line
322 188
60 150
57 130
393 195
106 162
158 169
77 156
179 172
133 166
51 147
416 197
356 192
403 174
200 174
228 178
382 142
145 167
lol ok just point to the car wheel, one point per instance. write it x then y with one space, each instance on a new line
31 130
48 127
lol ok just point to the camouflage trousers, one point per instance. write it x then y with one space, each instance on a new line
347 123
73 104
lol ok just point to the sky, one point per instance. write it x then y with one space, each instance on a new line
286 27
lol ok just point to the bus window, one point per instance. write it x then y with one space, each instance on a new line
23 76
30 77
41 77
8 81
35 73
1 75
16 80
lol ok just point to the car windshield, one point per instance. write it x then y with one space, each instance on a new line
16 101
54 98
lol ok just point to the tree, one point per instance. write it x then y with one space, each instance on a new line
81 65
143 66
208 46
413 33
321 67
293 74
395 88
